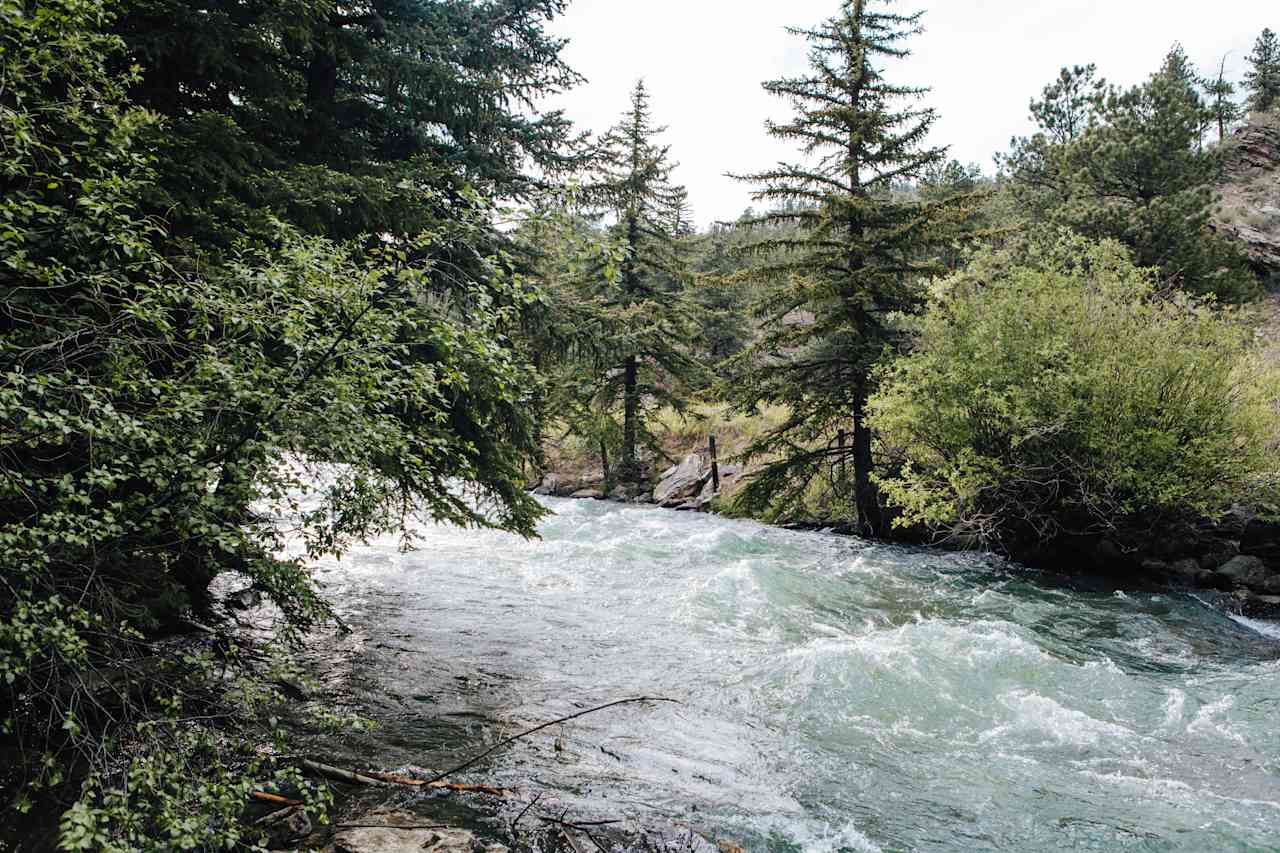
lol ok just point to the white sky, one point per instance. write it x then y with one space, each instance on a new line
704 60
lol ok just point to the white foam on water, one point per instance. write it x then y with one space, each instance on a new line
1266 629
1041 714
1175 702
812 839
1205 721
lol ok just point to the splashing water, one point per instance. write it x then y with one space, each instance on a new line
836 695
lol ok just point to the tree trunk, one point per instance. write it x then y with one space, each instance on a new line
871 517
630 467
322 99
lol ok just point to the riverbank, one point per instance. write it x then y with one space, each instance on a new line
1238 554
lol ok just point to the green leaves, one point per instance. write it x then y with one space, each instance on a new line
167 406
1051 392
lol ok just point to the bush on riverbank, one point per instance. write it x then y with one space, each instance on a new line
1053 390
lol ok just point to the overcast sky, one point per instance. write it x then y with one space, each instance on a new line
704 60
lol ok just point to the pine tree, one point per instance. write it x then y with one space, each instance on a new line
1263 82
850 266
1222 105
633 184
1138 174
346 119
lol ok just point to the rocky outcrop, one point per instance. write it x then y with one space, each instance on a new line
1249 209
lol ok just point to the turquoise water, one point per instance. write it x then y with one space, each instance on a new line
834 695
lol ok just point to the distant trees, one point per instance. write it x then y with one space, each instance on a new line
849 264
1262 81
1129 165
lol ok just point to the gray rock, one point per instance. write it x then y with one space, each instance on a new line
550 483
1260 606
1246 571
1185 569
286 827
399 835
684 482
1219 554
588 495
1261 539
244 599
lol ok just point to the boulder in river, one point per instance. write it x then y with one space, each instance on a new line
1249 572
684 482
549 485
588 495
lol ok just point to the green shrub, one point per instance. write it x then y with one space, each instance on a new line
1052 390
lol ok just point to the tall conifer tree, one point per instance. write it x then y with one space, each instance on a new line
1263 81
1222 105
850 263
634 186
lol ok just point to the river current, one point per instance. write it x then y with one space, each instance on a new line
834 695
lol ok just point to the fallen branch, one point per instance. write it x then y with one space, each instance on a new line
471 762
279 814
340 775
275 798
370 777
392 826
423 783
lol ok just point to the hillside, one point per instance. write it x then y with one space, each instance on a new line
1250 204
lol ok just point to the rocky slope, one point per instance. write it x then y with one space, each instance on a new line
1249 210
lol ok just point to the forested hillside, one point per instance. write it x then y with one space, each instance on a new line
281 276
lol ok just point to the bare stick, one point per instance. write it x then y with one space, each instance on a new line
338 774
392 826
471 762
525 811
275 798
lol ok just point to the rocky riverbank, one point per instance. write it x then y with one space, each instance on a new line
1238 554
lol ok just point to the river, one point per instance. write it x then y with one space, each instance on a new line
834 695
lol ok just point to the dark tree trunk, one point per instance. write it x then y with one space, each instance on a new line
871 517
322 99
630 467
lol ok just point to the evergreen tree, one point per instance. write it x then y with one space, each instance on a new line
1139 174
1263 81
1222 105
644 299
1069 105
345 119
851 264
724 330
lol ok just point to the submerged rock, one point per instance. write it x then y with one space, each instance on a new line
398 832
